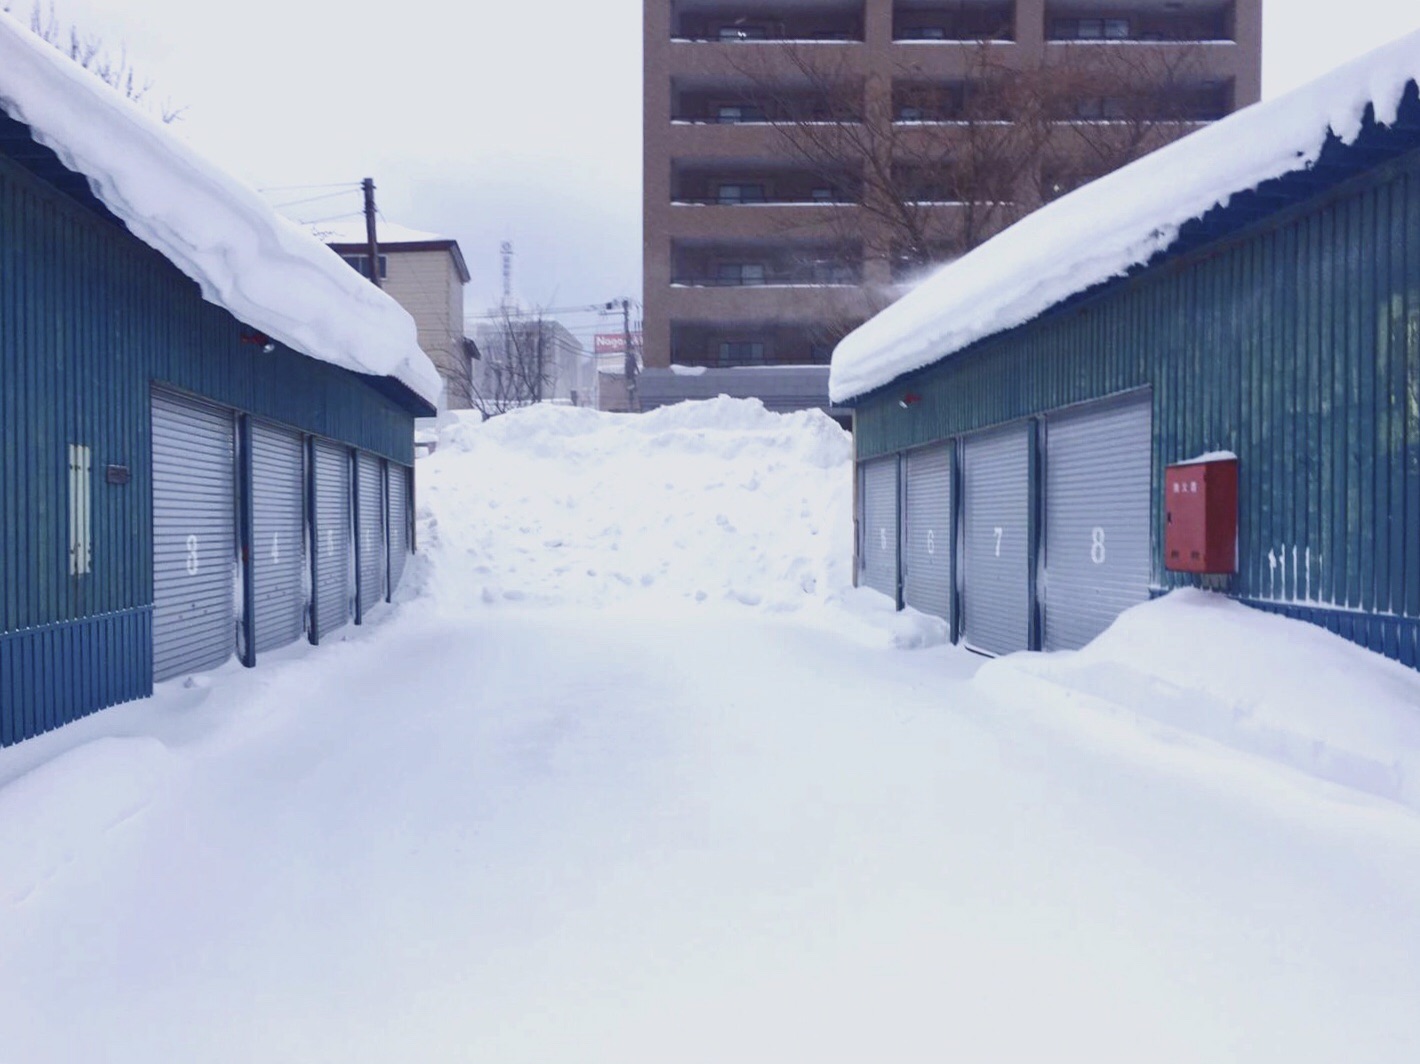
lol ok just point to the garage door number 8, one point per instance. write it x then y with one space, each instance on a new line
1097 552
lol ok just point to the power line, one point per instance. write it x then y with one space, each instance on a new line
308 188
333 218
312 199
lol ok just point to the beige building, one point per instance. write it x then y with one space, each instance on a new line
760 253
425 273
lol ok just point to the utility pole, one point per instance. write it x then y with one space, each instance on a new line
368 185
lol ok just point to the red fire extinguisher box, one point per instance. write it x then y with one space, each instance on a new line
1201 515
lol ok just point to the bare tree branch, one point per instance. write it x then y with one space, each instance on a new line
89 52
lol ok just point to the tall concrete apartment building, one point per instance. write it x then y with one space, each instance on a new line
759 253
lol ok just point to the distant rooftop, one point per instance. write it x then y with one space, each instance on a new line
353 232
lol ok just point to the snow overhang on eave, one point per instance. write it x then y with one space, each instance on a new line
243 256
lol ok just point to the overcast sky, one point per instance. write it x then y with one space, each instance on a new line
492 120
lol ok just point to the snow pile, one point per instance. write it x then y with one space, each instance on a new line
1280 688
266 270
709 502
1109 226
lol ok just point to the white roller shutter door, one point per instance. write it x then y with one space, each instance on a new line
194 535
278 487
370 531
399 522
927 531
1098 474
996 540
332 554
878 529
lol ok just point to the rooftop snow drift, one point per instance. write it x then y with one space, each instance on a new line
1112 225
263 268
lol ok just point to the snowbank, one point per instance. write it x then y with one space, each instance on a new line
1284 689
268 271
1109 226
715 501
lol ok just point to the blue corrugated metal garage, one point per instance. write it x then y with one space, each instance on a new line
157 495
1281 323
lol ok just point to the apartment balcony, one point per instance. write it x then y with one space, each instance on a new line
739 22
747 199
745 101
765 262
934 22
725 344
1148 21
767 303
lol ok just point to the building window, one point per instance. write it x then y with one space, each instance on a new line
823 194
741 352
743 33
736 274
740 193
833 273
739 112
1092 29
361 264
925 33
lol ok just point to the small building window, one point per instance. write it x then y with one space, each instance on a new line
735 274
925 33
743 33
740 193
823 194
361 264
731 113
741 352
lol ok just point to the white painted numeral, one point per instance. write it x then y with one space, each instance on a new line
931 541
276 548
882 533
193 563
1097 554
999 533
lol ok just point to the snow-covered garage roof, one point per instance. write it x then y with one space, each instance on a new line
263 268
1112 225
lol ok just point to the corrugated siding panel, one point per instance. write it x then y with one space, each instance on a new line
278 535
399 522
1297 346
50 676
370 529
332 556
194 535
996 550
927 532
1097 519
879 557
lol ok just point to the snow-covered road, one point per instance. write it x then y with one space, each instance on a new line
638 827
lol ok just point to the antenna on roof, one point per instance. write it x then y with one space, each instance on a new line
507 273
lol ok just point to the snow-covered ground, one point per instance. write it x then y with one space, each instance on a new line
631 775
